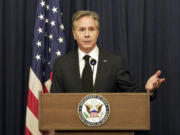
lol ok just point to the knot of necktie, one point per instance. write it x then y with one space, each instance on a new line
86 58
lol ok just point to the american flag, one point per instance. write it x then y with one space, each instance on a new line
48 43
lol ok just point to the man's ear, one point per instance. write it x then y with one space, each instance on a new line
74 34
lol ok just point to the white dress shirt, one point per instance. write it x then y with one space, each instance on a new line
94 54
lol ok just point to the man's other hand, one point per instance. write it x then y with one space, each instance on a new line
154 81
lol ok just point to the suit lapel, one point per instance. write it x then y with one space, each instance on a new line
75 70
100 69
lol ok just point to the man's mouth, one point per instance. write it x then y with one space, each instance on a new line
87 42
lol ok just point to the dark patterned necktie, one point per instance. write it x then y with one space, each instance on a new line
87 75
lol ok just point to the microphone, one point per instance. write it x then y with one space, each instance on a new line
93 62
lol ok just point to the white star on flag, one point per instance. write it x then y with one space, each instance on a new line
60 40
40 30
62 27
54 10
52 23
50 36
41 17
38 43
42 3
46 20
38 57
58 53
47 7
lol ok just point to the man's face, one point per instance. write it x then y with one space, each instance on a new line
86 34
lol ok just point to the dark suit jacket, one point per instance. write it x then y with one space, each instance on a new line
112 74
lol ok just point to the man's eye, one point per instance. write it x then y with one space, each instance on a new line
81 29
91 29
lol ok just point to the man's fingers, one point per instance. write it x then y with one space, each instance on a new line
158 73
158 82
156 85
162 80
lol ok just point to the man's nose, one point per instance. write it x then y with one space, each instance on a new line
87 33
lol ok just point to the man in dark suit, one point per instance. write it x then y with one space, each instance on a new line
108 73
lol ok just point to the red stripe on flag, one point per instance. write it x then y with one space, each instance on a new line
32 103
45 90
51 76
27 132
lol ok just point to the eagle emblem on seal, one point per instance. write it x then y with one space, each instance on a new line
93 110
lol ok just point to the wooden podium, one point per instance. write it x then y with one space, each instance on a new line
128 112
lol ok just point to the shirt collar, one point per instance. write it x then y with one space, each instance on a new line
93 54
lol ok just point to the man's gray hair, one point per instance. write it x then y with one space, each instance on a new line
81 13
